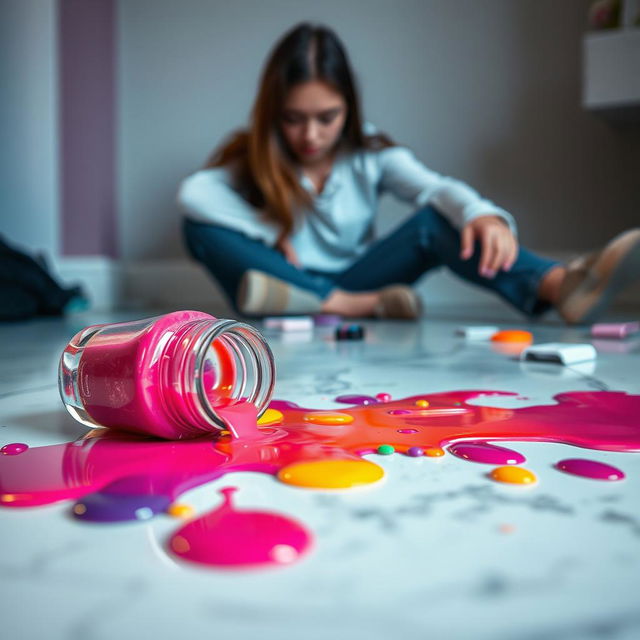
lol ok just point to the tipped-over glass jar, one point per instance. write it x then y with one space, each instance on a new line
167 376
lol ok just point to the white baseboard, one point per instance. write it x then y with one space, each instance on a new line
182 284
174 284
99 276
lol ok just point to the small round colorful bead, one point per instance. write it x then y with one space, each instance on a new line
385 449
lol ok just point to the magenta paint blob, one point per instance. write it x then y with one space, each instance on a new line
14 449
383 397
406 431
486 453
590 469
399 412
356 399
234 538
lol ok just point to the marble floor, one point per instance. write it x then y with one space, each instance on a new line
437 550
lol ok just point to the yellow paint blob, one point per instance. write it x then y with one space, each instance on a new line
328 417
513 475
422 403
270 416
331 474
434 452
178 510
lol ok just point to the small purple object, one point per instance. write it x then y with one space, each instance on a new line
327 320
106 507
355 399
617 330
415 452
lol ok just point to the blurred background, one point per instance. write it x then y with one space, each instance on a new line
107 104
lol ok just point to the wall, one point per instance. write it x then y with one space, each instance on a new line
28 124
486 91
87 127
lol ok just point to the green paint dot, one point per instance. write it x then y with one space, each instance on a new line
385 450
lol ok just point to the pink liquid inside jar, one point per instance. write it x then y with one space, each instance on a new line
166 376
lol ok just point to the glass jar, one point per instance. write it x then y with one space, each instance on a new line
167 376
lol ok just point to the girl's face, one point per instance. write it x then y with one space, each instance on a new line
312 119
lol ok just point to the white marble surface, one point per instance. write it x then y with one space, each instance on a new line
422 555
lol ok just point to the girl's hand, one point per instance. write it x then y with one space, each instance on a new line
286 249
498 245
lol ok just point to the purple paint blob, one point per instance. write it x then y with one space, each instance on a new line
235 539
130 498
327 320
486 453
14 449
105 507
407 430
415 452
356 399
590 469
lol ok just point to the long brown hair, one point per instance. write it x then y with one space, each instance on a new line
263 169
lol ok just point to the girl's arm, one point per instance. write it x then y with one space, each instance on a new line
476 217
208 196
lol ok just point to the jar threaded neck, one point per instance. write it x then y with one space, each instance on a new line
209 364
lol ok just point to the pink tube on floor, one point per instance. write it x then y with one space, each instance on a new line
618 330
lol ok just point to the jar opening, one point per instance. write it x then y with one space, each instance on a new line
217 364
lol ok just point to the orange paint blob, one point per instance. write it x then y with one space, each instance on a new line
328 417
331 474
512 335
513 475
434 452
511 342
422 403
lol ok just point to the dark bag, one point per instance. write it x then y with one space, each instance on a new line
27 289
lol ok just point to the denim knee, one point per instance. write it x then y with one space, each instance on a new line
428 217
431 228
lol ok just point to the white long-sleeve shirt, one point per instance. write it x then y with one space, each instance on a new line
339 226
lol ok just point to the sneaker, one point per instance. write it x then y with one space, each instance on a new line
400 302
261 294
258 294
592 281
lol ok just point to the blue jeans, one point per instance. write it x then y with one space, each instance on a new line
424 242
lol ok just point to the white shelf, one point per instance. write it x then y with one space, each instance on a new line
611 67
